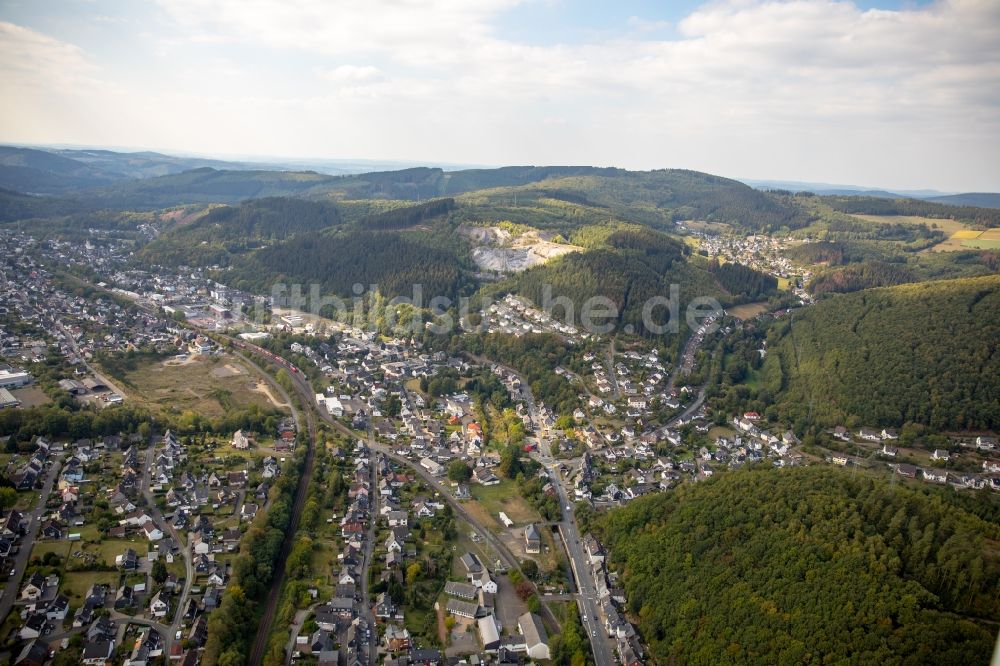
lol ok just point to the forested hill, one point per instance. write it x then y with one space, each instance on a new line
657 197
395 262
205 185
629 266
924 353
807 566
961 210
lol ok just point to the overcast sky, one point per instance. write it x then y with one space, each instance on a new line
901 94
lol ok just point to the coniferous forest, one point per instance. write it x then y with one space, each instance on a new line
923 353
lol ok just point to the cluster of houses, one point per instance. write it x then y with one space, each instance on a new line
75 324
982 444
637 377
516 316
641 463
611 597
344 619
761 252
42 608
473 602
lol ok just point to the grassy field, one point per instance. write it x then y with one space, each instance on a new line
109 549
748 310
967 233
949 227
209 387
721 431
26 499
323 560
504 497
88 532
982 244
76 584
31 396
960 236
60 548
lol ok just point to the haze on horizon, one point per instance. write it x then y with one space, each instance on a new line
889 93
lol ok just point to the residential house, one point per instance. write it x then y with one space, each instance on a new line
241 441
536 639
532 539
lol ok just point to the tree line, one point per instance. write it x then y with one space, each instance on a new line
806 566
232 627
987 217
922 353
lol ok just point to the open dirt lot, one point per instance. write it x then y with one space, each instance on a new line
748 310
209 386
503 497
31 396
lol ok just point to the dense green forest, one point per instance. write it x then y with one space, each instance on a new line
204 185
823 252
401 218
393 261
271 218
988 217
629 268
214 237
807 566
740 280
654 198
923 353
856 277
15 206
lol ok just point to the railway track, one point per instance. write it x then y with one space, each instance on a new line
263 635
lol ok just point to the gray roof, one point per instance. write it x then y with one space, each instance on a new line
463 608
471 563
531 626
489 632
462 590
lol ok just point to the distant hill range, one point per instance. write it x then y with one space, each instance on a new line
64 170
978 199
116 179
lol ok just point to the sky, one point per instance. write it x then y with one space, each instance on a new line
900 94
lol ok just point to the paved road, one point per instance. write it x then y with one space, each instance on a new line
76 350
168 528
601 645
610 358
122 620
13 586
369 554
685 363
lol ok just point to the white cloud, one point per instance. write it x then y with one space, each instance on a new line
353 74
29 59
804 89
336 27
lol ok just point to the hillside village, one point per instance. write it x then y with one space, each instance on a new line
118 548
